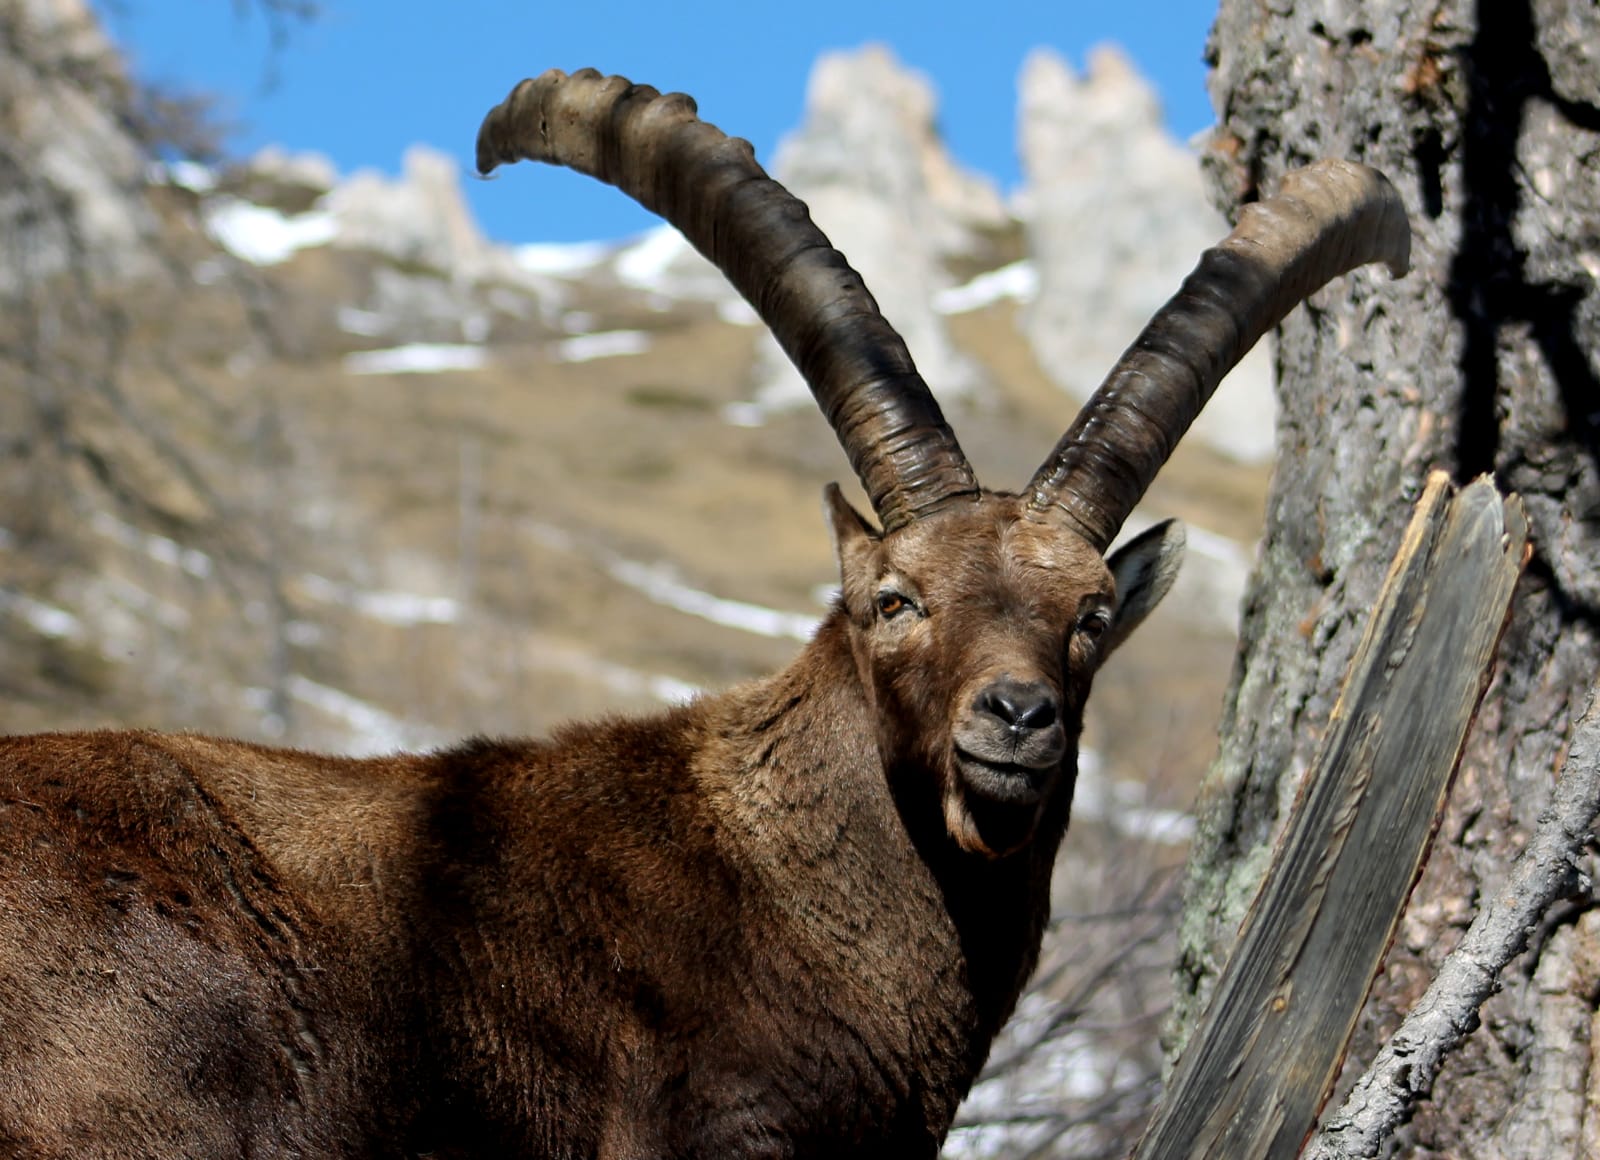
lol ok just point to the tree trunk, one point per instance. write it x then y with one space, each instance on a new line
1487 118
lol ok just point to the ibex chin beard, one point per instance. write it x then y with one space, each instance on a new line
1006 750
994 827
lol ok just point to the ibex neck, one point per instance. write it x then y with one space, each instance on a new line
950 936
743 872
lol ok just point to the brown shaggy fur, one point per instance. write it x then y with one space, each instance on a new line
781 922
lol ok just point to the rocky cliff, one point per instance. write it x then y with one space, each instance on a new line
1116 216
71 172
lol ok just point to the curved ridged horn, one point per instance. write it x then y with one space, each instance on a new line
657 151
1326 220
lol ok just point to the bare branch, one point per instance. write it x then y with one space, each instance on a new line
1404 1071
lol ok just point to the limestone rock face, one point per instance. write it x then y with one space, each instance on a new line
880 184
420 218
305 170
60 83
870 127
1116 216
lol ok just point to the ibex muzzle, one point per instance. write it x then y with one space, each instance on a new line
783 921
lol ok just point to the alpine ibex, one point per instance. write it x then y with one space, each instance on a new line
782 921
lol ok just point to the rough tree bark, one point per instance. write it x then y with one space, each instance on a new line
1486 114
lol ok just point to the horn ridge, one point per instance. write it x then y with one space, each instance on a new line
1328 218
655 148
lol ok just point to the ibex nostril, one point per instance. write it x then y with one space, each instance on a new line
1020 707
1040 714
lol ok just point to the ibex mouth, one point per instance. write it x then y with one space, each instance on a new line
1002 782
1008 764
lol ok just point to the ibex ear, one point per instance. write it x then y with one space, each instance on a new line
1143 570
855 543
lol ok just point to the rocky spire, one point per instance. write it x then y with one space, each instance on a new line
421 217
71 187
869 163
1116 216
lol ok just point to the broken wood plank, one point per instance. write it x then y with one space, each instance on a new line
1266 1053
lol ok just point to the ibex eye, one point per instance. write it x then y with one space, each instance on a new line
891 604
1094 625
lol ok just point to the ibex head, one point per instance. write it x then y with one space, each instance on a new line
977 631
976 618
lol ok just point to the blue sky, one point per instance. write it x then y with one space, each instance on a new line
371 76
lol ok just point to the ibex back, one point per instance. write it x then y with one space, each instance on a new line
783 921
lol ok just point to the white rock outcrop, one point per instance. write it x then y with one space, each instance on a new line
1116 216
60 84
870 128
420 218
307 169
879 182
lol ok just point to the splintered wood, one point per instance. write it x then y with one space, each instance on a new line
1266 1053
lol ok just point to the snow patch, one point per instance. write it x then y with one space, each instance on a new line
735 311
374 731
45 619
661 584
401 609
668 270
190 175
745 414
658 582
554 538
264 237
146 604
561 259
644 263
1215 546
1018 282
578 322
1161 827
366 323
606 344
158 548
303 633
617 678
417 358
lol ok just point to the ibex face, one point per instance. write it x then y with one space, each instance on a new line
977 632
